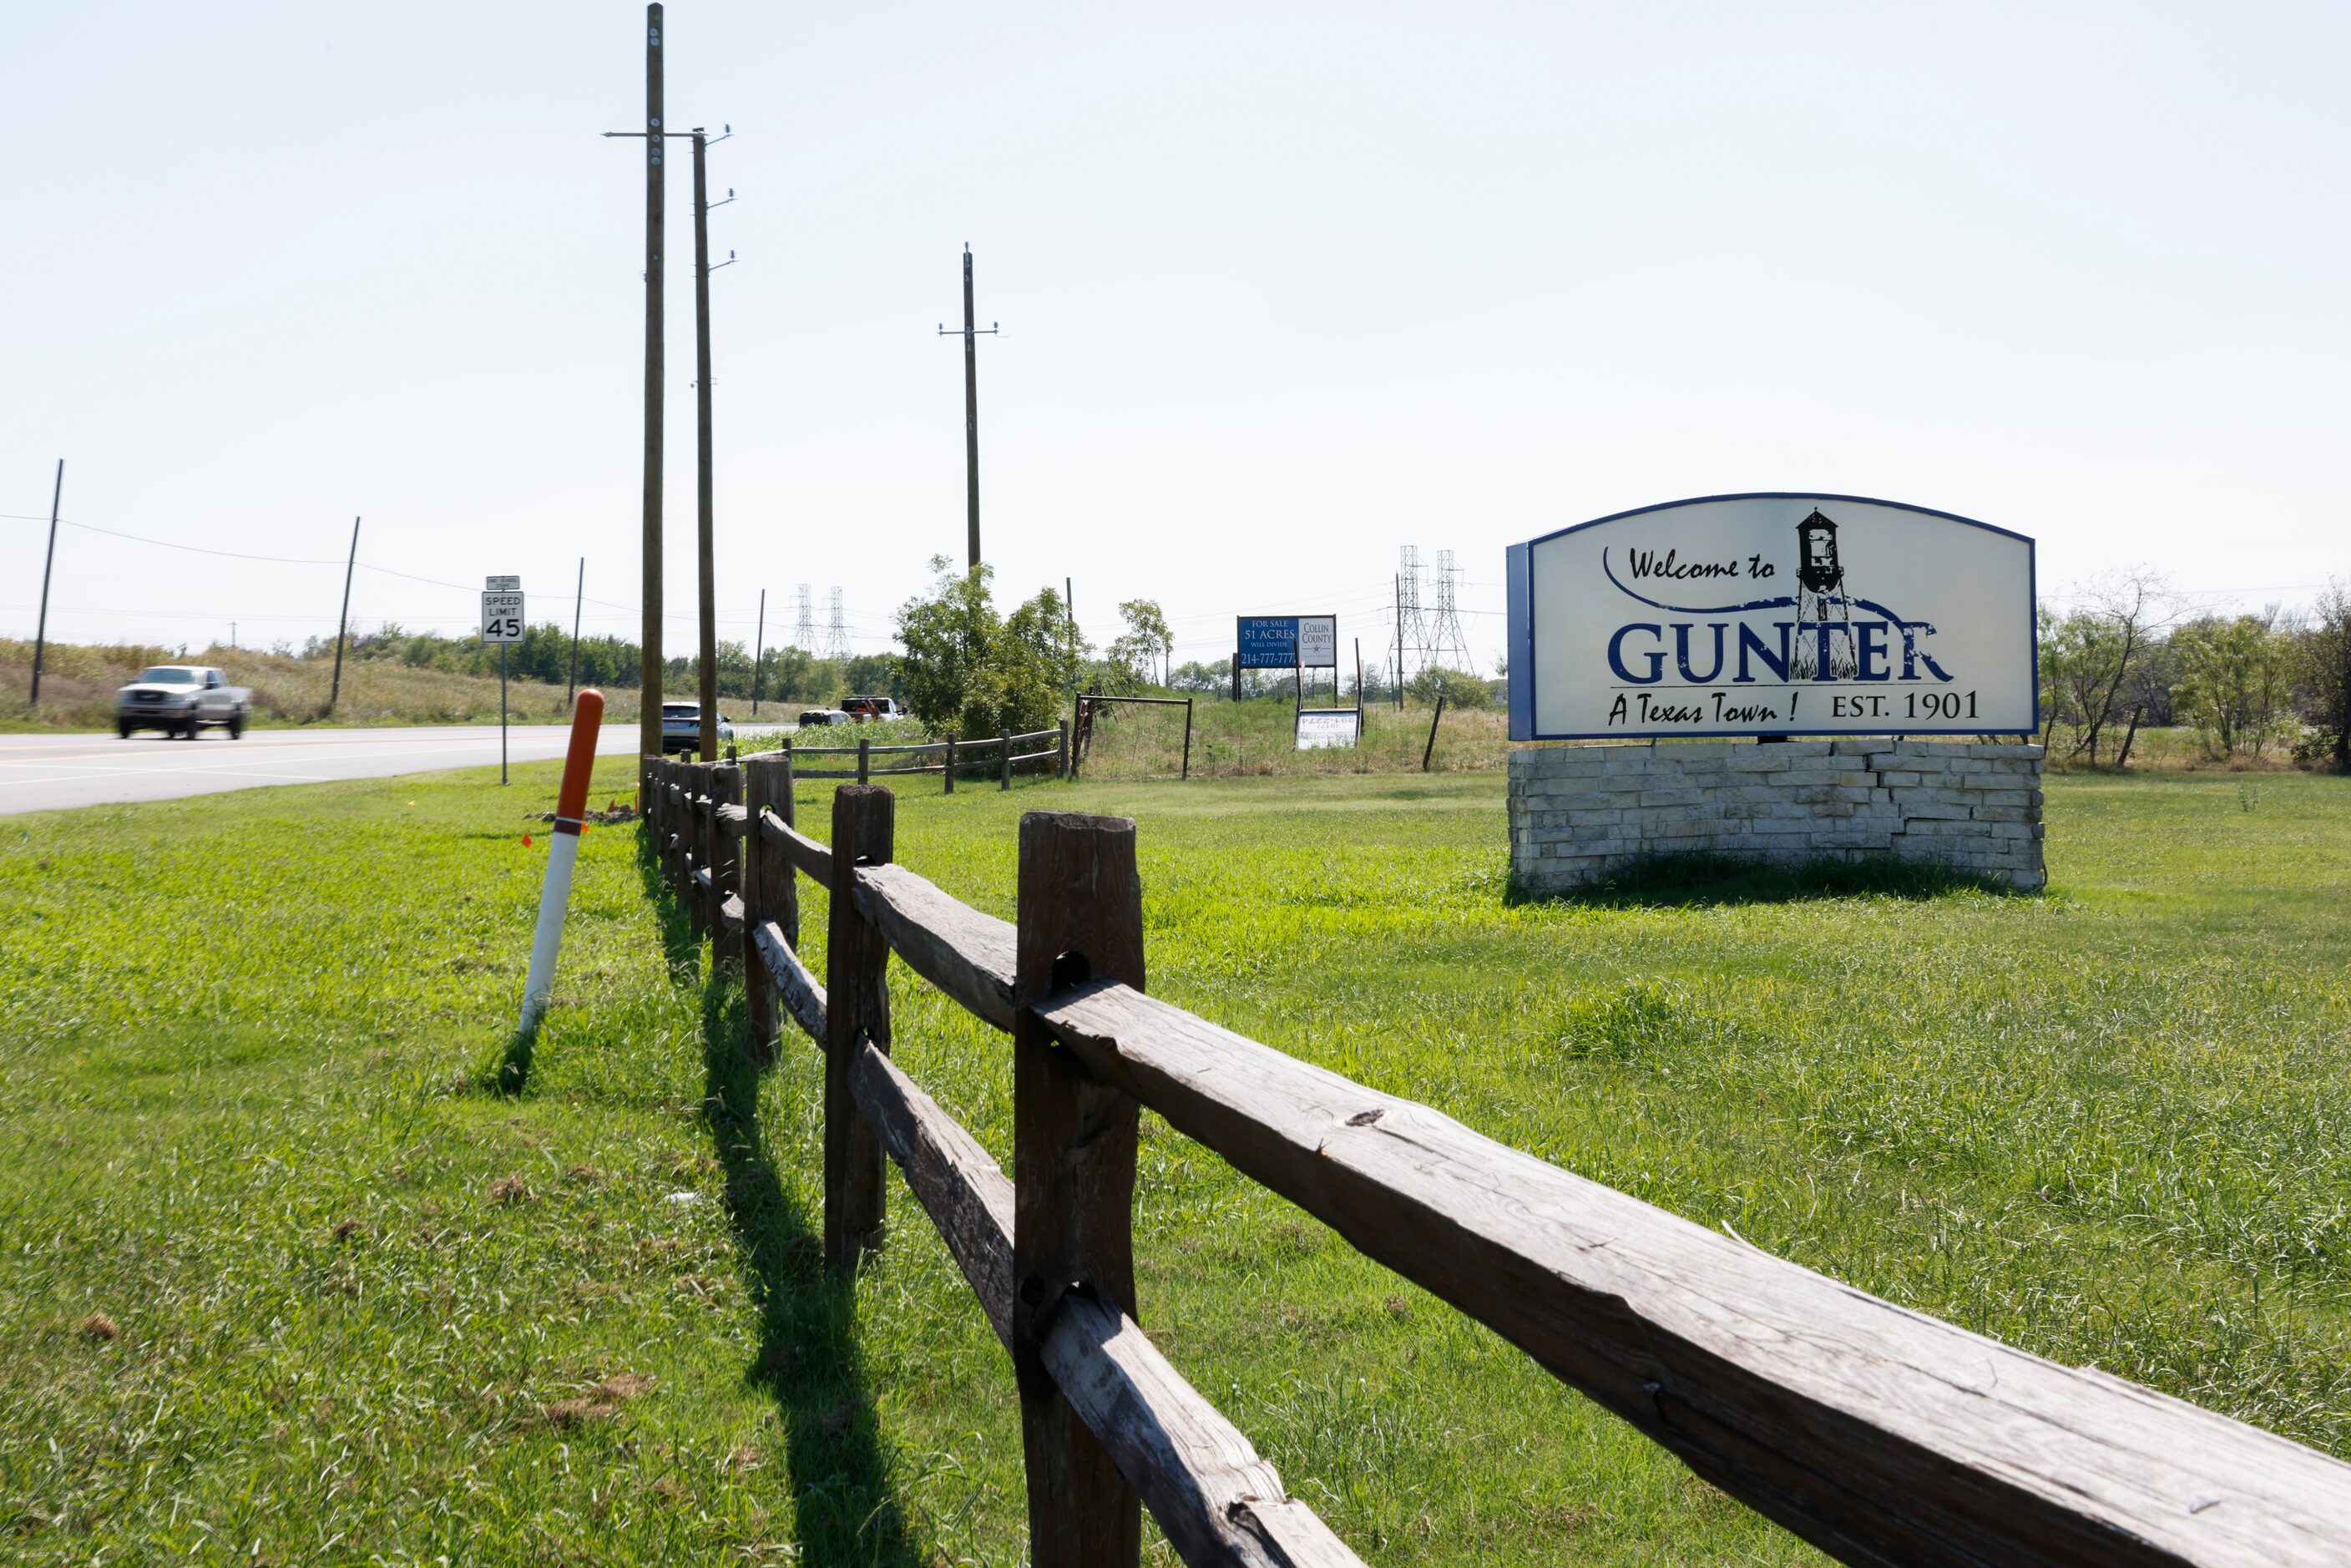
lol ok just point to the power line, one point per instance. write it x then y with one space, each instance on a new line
171 544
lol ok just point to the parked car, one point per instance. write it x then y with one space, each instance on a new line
863 708
818 717
682 729
179 700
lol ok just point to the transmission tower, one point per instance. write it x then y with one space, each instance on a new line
1412 625
836 643
804 634
1447 644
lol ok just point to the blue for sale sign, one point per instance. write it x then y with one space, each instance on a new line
1268 642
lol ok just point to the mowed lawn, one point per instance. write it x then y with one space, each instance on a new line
285 1278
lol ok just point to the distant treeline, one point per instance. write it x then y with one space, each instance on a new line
2132 655
785 676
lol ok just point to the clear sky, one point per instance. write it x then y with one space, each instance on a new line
1282 288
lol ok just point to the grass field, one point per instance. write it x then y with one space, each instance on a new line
1257 739
78 682
282 1279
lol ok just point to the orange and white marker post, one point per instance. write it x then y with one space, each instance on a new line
562 854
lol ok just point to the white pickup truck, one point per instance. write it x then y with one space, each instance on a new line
179 700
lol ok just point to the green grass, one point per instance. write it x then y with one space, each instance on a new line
2107 1124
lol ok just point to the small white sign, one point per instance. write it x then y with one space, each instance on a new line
501 617
1318 641
497 585
1328 727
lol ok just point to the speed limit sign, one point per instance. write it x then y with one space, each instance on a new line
502 616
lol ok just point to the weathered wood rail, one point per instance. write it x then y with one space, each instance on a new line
1879 1434
996 754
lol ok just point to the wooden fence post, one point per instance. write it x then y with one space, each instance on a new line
779 886
790 918
864 758
697 781
648 773
707 848
1062 752
951 765
1073 1147
727 857
1004 762
668 844
767 884
680 833
857 1007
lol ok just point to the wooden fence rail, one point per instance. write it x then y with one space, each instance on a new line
955 757
1881 1435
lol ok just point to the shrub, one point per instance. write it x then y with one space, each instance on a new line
968 673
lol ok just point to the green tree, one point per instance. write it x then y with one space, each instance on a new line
871 675
2090 656
2322 670
1143 647
968 673
2233 683
1197 679
1460 688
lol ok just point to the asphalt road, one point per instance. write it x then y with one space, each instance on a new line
46 772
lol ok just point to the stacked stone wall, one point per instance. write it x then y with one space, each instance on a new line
1586 812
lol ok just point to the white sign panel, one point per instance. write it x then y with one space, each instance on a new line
497 585
1317 730
501 617
1773 614
1318 641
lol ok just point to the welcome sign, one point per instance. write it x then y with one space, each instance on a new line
1773 614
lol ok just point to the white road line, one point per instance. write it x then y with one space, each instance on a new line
67 778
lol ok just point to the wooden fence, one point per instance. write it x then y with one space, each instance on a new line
1879 1434
955 757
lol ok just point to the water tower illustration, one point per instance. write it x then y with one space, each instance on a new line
1823 614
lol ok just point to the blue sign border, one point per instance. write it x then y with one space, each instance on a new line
1519 580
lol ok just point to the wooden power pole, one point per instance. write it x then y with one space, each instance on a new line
41 628
971 407
758 653
578 591
649 680
343 620
705 575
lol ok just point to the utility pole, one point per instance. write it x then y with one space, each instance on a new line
705 575
572 684
758 651
343 622
971 404
41 628
649 666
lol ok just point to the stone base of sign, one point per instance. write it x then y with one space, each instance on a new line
1583 813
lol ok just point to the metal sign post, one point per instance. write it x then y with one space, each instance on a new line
502 622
